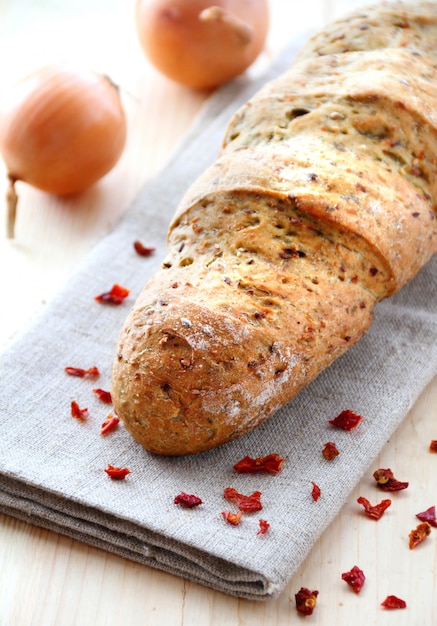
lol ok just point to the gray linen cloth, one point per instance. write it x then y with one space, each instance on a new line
52 466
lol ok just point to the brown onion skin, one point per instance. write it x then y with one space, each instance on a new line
62 128
199 54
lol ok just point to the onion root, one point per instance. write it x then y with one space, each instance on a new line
11 208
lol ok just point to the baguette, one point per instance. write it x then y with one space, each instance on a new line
320 204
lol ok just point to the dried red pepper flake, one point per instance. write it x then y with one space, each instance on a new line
393 602
263 527
346 420
376 511
433 445
419 534
272 463
142 250
428 516
77 412
316 492
387 482
187 500
232 518
91 372
110 424
116 295
117 473
330 451
306 601
355 578
244 503
104 396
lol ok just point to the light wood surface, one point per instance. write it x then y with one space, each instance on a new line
47 579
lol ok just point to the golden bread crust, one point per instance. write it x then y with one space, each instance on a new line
320 204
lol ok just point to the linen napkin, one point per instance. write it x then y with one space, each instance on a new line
52 466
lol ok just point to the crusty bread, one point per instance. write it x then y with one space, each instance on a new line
319 206
398 24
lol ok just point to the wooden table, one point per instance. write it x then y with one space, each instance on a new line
47 579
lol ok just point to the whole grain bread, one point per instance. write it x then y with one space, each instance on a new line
321 203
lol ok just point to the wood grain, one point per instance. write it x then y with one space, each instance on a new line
47 579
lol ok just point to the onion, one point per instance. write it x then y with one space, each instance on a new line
199 44
61 129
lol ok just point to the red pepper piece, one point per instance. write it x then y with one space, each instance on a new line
387 482
346 420
91 372
355 578
104 396
263 527
433 445
428 516
116 295
142 250
77 412
244 503
393 602
117 473
315 493
272 463
376 511
186 500
110 424
419 534
306 601
232 518
330 451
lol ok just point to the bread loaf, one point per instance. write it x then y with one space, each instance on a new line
320 205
